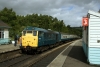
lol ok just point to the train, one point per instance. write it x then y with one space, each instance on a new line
91 37
39 39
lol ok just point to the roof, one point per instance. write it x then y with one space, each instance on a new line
35 28
94 13
39 29
3 25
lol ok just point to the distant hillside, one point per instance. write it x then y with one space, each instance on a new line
77 27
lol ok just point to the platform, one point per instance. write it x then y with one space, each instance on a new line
7 48
72 56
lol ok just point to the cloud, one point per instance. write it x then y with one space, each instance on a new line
71 11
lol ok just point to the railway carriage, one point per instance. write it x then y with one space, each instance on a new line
73 37
91 37
65 37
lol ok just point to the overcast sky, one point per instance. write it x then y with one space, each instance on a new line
70 11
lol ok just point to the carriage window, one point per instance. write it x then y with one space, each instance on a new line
34 33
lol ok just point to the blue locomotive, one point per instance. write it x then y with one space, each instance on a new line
34 38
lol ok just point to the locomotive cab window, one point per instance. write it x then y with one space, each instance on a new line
34 33
23 33
29 31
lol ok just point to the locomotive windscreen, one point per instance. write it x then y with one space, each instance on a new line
34 33
29 31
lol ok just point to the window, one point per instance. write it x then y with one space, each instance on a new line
1 33
49 34
54 36
34 33
24 32
40 34
29 31
45 35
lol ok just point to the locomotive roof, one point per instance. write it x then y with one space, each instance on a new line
39 29
35 28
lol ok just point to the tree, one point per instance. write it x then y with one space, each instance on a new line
9 17
18 22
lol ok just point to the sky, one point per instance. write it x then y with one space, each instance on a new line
70 11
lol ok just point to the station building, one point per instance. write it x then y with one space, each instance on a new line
91 37
4 33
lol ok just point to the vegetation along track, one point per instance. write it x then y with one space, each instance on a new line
29 60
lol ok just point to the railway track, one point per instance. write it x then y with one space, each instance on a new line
29 60
9 55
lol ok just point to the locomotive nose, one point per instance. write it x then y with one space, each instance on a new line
30 40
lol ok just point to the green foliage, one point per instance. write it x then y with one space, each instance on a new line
18 22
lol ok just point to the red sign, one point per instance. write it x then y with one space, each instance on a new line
85 21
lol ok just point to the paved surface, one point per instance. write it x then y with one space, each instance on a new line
6 48
72 56
50 57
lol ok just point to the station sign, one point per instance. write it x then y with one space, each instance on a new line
85 21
